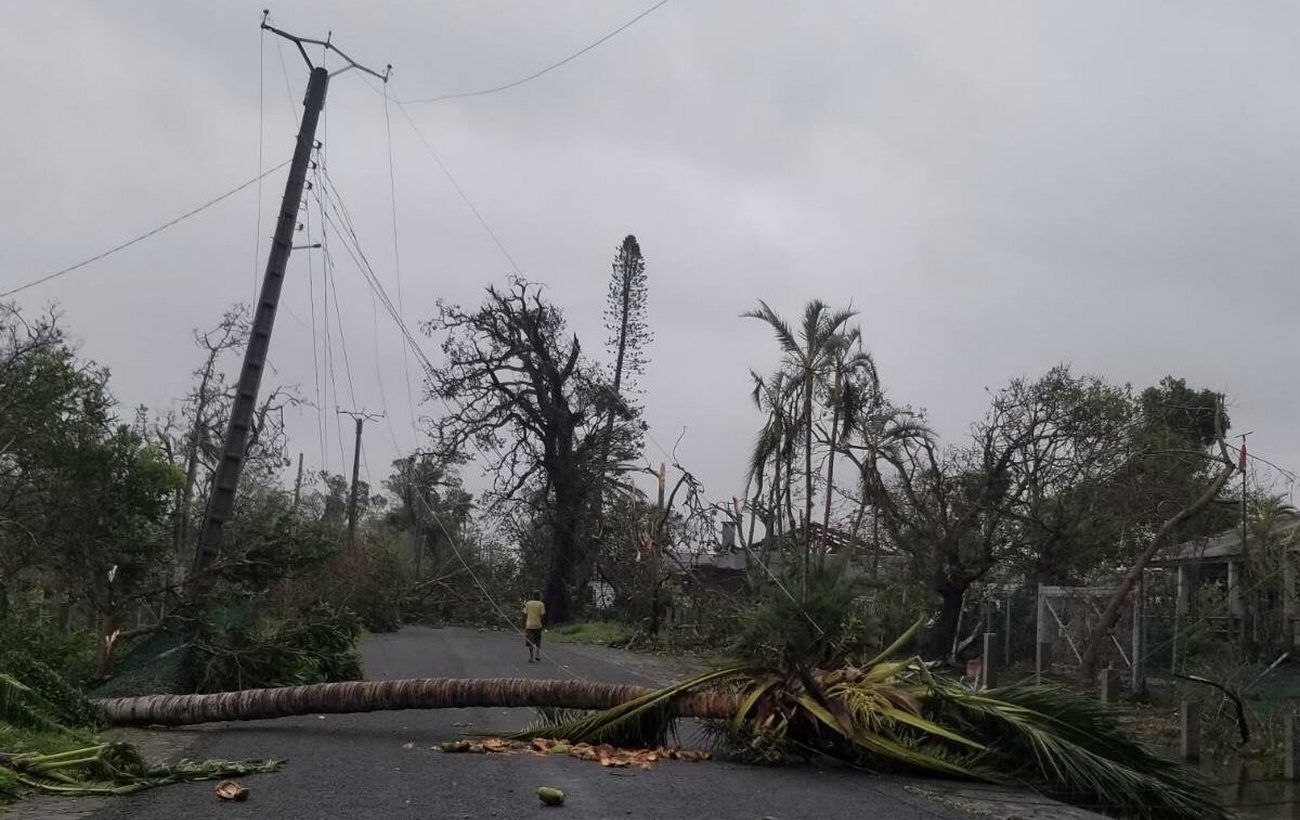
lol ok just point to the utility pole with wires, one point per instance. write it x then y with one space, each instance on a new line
297 484
1236 598
240 426
361 417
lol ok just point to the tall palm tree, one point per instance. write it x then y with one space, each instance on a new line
810 354
854 381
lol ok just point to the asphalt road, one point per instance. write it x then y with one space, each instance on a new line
356 766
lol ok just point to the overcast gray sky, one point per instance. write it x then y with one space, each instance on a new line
996 187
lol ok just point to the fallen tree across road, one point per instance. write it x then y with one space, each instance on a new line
391 695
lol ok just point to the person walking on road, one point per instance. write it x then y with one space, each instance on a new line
534 611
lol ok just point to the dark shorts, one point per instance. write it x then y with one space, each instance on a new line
533 637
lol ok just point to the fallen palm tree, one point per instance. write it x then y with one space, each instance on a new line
799 693
388 695
886 715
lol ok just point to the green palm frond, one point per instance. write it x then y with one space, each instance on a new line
780 328
1070 747
750 700
899 642
22 706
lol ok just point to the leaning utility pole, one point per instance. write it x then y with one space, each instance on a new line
360 418
222 501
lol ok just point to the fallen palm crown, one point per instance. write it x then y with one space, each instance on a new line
40 751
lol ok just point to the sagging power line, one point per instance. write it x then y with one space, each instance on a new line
533 76
128 243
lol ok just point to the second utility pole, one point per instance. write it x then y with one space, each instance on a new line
356 468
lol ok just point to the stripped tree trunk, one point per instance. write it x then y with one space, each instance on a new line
1110 616
389 695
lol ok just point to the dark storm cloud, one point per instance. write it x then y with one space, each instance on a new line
995 187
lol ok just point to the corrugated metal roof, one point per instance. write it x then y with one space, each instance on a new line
1225 545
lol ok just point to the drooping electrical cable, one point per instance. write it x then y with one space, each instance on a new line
397 262
461 191
315 341
261 140
515 83
128 243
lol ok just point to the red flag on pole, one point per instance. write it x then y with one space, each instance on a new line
1242 462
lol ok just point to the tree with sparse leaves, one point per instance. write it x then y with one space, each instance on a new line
523 396
629 335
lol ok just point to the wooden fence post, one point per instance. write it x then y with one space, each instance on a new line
1189 722
1109 684
1291 742
989 664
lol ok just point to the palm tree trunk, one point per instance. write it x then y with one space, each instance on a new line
753 510
858 516
776 490
830 459
389 695
807 470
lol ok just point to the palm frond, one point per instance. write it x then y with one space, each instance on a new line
784 334
899 642
643 721
1070 747
22 706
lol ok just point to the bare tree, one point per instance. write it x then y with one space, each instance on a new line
199 410
523 397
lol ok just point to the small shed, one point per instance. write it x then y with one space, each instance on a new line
1220 558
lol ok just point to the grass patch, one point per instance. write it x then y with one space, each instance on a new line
603 633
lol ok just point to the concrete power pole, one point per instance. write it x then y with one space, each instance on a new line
360 418
231 465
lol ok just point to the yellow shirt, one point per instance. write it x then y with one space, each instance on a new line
533 612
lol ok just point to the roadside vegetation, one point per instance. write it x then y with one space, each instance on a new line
856 524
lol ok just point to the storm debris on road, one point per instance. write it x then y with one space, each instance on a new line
604 754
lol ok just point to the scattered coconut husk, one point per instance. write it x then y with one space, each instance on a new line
606 755
230 790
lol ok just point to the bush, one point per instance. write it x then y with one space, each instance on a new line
837 620
29 627
239 648
279 615
603 633
374 581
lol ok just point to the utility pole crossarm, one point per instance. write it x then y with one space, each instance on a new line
328 46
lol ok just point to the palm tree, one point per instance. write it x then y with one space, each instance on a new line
810 355
773 442
855 381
